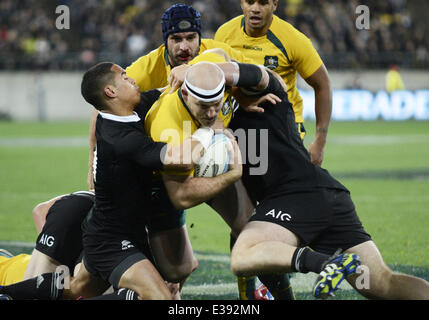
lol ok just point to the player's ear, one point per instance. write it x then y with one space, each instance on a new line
275 3
241 4
110 91
185 94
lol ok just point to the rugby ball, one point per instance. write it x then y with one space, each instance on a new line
215 159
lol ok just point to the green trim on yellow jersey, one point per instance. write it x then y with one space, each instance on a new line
179 93
170 120
284 49
272 37
167 61
152 70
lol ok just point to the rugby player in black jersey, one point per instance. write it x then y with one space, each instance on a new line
58 248
113 233
299 205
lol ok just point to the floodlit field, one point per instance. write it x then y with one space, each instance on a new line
384 164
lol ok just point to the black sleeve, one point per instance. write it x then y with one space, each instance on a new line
142 150
274 87
250 76
147 99
150 154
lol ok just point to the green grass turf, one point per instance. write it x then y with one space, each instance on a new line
395 213
44 129
384 164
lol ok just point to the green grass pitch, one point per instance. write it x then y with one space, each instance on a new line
384 164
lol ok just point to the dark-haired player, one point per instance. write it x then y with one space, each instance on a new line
298 206
181 28
124 160
114 239
267 40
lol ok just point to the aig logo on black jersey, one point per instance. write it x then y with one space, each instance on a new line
271 62
47 240
279 215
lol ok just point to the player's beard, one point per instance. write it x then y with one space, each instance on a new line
182 57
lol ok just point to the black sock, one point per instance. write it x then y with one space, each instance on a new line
305 260
46 286
121 294
279 286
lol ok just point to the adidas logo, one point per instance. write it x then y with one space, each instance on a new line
126 245
39 281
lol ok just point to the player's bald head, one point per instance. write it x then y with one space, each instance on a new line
203 91
205 81
205 75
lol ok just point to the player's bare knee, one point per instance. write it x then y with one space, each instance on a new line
239 266
194 264
179 273
375 285
38 210
381 284
77 289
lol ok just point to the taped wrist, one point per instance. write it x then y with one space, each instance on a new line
249 75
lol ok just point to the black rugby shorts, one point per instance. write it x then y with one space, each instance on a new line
61 236
323 219
109 256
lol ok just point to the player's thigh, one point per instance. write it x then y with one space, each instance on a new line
40 263
234 206
143 278
256 232
85 285
172 252
373 273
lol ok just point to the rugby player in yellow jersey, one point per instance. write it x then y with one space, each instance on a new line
181 28
266 39
174 117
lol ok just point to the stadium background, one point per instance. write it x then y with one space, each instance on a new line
378 142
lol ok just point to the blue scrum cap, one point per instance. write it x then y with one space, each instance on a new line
180 18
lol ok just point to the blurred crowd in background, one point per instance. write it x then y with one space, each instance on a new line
123 30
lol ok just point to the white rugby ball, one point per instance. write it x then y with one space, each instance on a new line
215 159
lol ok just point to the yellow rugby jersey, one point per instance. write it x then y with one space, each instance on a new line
283 49
151 71
12 270
169 119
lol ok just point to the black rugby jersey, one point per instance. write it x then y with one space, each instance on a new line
275 160
123 163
